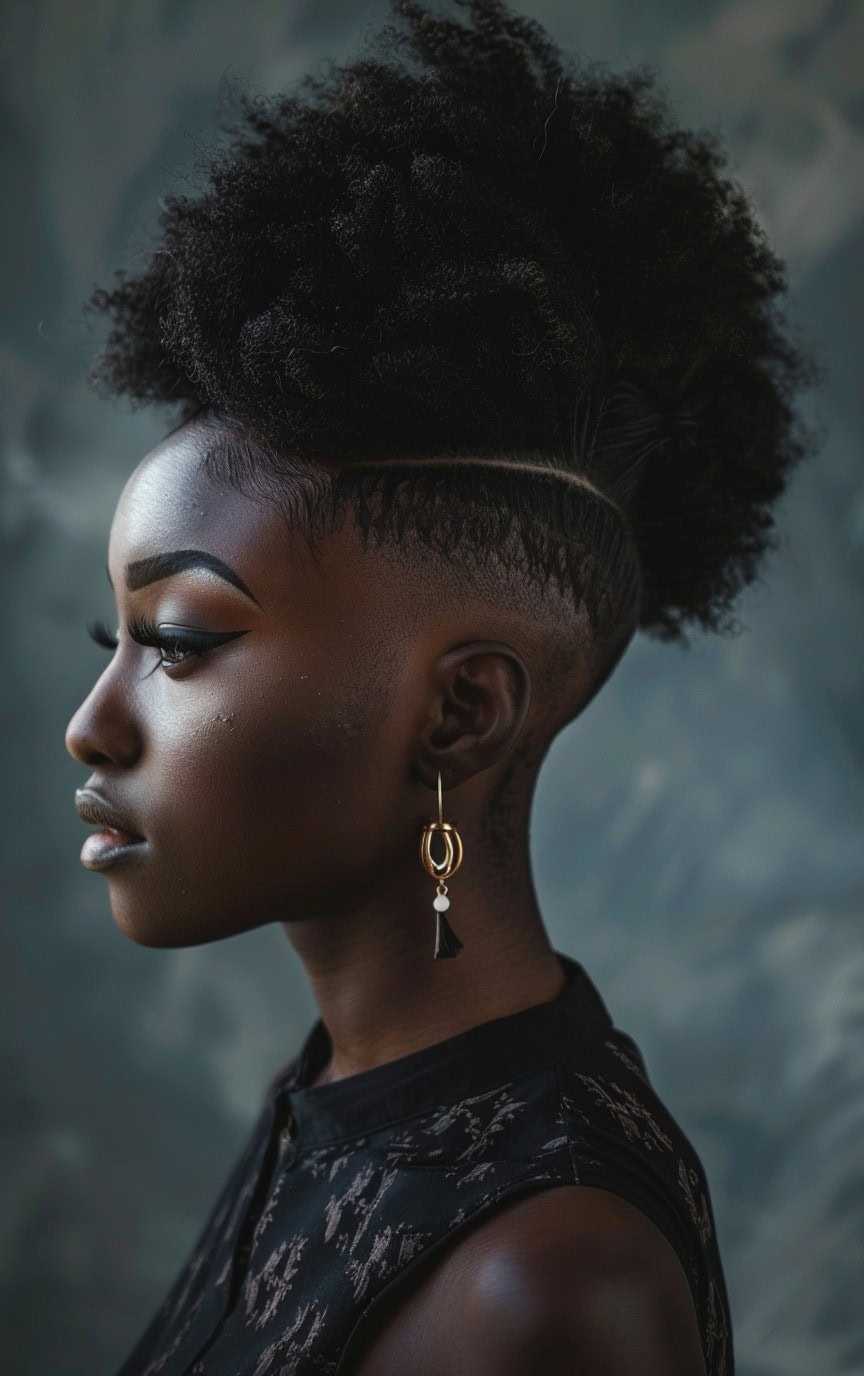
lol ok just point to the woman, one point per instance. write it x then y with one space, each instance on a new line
480 370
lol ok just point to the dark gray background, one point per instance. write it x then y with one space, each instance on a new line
697 835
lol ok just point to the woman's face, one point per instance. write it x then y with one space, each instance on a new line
269 775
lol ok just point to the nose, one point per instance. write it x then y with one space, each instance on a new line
103 729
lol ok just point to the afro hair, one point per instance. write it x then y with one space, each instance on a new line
464 243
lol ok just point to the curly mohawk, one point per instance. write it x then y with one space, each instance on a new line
466 243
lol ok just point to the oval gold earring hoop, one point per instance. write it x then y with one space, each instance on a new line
447 943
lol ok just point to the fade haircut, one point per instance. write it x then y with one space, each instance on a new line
464 244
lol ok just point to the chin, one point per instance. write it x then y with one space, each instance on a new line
167 929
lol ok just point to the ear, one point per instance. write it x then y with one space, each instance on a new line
482 693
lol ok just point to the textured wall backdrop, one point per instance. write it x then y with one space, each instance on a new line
697 835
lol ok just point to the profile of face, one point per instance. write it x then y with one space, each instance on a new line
269 751
255 751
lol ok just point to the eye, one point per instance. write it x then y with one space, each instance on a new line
177 643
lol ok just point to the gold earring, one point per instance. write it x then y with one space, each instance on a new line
447 942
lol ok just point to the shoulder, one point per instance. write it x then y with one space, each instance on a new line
577 1278
568 1279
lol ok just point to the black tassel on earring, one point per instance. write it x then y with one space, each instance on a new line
447 943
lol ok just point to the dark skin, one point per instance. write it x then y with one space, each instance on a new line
568 1281
285 776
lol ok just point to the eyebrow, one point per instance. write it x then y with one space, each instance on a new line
142 572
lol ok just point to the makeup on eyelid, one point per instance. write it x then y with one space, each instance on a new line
185 641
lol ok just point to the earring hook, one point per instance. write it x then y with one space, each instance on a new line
440 810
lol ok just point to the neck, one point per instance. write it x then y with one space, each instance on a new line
380 993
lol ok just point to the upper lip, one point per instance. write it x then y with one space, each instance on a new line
92 807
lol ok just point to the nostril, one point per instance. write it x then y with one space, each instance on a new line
88 749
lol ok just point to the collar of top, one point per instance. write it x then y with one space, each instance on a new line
481 1058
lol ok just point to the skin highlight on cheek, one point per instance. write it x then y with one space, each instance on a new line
214 727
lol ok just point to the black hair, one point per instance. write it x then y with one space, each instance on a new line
464 243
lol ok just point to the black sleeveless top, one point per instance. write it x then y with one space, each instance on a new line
346 1188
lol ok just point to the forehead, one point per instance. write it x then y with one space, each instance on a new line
170 502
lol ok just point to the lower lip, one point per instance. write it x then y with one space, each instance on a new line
105 848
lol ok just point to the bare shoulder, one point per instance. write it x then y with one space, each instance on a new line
564 1280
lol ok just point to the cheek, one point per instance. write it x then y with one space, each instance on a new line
284 774
267 802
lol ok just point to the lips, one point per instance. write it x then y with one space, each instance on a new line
92 807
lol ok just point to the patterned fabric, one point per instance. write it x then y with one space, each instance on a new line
345 1188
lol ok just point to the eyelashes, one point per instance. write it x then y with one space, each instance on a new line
98 631
176 643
